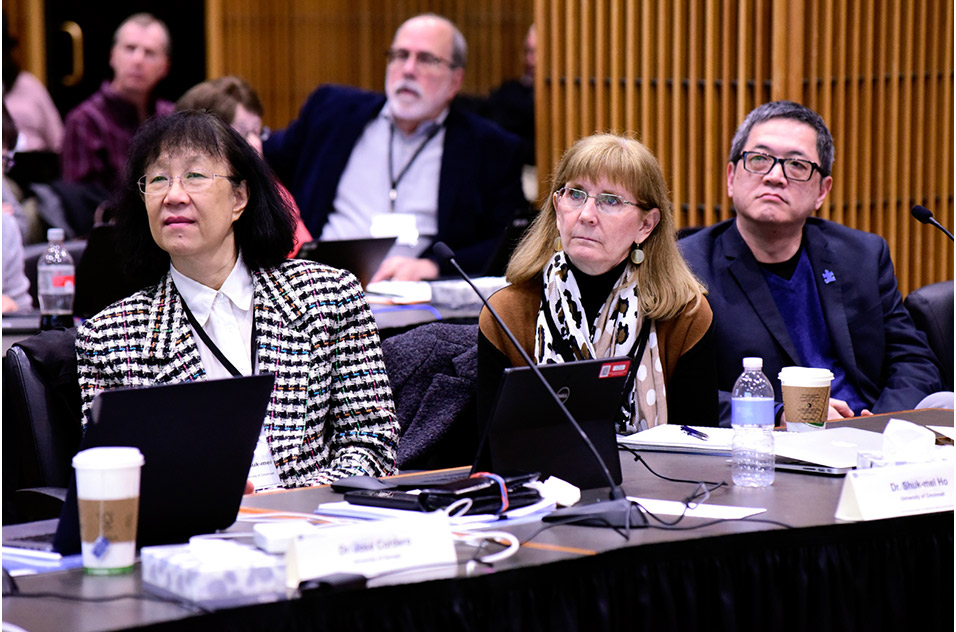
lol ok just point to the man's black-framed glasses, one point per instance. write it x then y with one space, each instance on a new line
795 169
423 59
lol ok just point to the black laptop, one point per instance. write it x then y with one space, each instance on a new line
529 433
197 439
361 257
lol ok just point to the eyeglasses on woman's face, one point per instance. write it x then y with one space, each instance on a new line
571 198
192 181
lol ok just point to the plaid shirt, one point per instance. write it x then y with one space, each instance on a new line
97 134
331 414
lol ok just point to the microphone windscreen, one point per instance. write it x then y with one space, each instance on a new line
922 213
443 251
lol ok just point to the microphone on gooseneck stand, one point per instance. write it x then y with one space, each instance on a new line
616 512
925 215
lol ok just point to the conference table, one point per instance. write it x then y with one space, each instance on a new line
792 567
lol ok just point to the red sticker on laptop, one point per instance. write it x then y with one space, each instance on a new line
614 369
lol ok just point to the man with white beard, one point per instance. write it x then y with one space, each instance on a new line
407 163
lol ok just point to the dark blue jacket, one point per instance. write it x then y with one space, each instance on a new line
885 357
480 187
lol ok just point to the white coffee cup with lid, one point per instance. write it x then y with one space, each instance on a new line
107 491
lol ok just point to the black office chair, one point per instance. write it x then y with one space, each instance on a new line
931 308
41 424
433 372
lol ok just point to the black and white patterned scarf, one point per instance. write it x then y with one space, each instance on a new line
615 333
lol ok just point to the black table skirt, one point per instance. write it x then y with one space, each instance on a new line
883 575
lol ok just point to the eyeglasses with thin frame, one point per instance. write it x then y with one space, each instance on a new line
795 169
262 135
192 181
423 59
606 203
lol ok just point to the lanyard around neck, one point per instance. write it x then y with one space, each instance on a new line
229 366
393 192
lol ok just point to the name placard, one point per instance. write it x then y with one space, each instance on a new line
897 490
371 548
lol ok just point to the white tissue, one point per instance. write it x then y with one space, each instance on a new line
561 492
906 442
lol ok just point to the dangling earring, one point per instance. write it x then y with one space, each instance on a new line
637 255
557 244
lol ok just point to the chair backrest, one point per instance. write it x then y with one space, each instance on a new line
931 308
433 373
41 412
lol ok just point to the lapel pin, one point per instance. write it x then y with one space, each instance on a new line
828 277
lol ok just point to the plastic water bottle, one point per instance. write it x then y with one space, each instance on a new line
56 283
751 415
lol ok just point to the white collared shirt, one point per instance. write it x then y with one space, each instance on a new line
226 316
363 189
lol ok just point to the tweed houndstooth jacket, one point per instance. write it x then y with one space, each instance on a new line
331 414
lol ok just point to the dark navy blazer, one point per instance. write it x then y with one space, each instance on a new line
885 357
480 181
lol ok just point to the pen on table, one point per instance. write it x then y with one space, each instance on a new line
694 433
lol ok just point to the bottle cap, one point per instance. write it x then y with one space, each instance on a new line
55 234
753 363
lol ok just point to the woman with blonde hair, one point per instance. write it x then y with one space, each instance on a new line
598 274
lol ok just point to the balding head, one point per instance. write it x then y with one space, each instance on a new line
425 69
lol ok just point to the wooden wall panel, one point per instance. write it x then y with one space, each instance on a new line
286 48
678 74
681 74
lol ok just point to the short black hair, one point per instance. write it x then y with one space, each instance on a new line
265 230
786 110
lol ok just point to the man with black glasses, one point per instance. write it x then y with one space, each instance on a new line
797 290
406 163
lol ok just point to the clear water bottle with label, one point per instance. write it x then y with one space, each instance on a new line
55 283
751 415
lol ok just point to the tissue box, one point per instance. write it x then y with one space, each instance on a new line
213 571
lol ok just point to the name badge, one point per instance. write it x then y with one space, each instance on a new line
399 225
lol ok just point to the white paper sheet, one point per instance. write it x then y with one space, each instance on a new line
676 508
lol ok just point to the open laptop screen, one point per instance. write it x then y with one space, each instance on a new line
361 257
529 433
197 439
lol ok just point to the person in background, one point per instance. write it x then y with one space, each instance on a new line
511 105
407 163
98 130
16 285
234 100
798 290
29 103
199 213
598 275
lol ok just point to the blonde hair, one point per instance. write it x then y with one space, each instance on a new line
667 285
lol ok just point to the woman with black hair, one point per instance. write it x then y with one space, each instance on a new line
214 236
